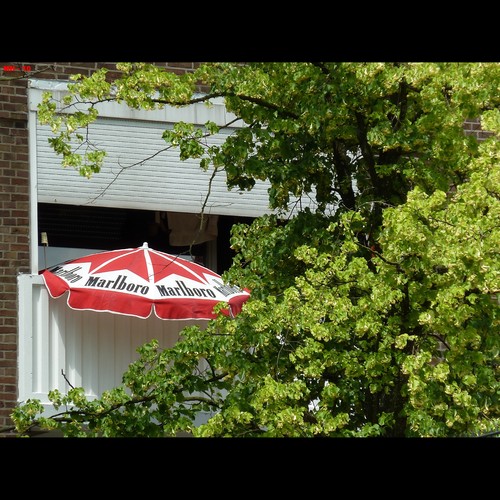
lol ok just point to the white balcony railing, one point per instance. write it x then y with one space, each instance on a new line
58 345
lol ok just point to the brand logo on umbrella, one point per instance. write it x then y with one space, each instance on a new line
136 281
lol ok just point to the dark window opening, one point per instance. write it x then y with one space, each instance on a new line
104 228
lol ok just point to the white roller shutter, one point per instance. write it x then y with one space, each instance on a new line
140 172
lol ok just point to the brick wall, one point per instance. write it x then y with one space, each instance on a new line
14 199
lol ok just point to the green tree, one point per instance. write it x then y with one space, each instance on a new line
375 312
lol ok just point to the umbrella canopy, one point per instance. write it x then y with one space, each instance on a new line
138 281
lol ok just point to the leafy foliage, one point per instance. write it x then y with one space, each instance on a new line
374 314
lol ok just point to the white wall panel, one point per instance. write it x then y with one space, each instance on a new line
91 350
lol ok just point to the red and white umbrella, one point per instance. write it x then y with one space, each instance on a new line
138 281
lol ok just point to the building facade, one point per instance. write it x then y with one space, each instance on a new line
33 204
34 207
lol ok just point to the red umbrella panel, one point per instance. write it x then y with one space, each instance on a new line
139 281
